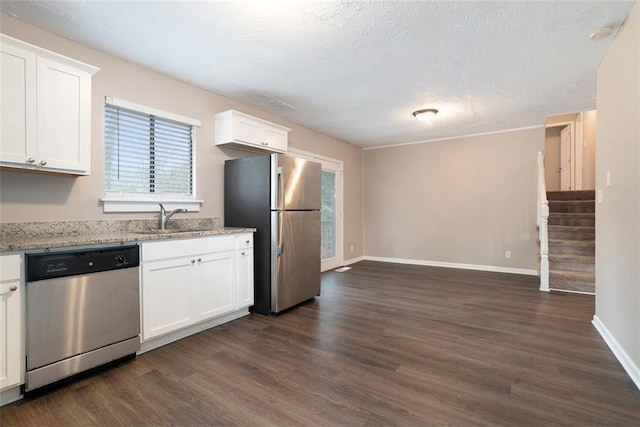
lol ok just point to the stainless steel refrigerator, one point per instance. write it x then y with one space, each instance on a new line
280 196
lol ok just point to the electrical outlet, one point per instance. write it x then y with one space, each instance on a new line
599 196
507 254
608 178
351 248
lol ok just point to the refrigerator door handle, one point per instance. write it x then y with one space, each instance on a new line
280 248
280 197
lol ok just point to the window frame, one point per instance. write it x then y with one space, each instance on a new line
148 202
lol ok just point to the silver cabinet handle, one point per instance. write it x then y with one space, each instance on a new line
43 162
193 261
13 288
199 259
31 160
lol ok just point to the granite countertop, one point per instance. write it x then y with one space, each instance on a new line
46 235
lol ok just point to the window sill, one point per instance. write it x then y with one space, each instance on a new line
119 204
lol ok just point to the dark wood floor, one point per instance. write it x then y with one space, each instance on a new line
385 344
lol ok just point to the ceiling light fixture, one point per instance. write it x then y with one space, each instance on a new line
601 33
425 115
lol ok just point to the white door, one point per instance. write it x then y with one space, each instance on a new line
565 159
329 220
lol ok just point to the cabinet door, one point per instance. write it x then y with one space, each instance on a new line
247 131
166 296
17 106
214 292
64 117
10 329
244 277
275 139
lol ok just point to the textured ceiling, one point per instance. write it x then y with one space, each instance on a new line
356 70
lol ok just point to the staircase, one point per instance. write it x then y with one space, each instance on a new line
572 241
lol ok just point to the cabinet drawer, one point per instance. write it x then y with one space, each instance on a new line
10 267
245 241
185 247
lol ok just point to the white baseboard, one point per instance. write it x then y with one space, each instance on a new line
352 260
627 363
153 343
570 292
10 395
479 267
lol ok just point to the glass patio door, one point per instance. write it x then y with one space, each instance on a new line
328 215
331 214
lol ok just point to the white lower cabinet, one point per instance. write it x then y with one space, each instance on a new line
244 270
166 296
214 285
186 281
11 321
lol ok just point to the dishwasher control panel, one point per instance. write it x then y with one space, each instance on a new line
77 262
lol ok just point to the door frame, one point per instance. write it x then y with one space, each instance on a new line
337 166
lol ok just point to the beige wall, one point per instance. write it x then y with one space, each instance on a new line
552 158
589 122
618 217
39 197
465 200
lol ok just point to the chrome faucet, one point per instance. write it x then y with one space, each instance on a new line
164 216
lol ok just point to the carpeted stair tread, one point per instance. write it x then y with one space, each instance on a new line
572 281
576 219
572 206
576 232
577 247
564 257
572 195
572 262
573 274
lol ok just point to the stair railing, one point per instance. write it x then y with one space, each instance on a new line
543 221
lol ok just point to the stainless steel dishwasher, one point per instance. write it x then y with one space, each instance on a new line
83 311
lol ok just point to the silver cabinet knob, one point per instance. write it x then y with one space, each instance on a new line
242 253
31 160
43 162
193 261
248 241
13 288
199 259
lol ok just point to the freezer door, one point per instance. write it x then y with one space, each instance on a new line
295 261
296 183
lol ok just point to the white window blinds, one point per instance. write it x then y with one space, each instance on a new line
146 153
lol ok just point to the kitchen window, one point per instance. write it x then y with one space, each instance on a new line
149 159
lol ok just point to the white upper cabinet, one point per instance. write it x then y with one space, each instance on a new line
45 109
248 132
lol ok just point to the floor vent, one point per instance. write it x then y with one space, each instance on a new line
342 269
